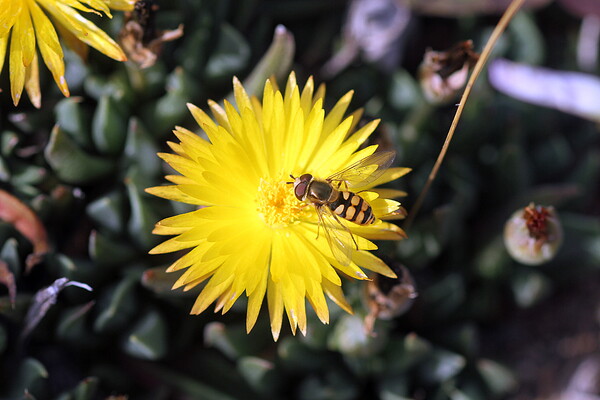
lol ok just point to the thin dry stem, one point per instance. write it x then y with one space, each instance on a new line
485 54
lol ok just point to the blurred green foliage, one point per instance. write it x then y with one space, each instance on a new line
82 164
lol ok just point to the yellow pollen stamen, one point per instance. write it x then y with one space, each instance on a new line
276 203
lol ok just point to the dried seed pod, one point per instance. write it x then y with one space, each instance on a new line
139 37
387 298
443 73
533 234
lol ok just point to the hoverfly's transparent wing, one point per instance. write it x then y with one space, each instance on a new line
364 171
338 235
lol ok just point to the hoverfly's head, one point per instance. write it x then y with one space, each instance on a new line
301 185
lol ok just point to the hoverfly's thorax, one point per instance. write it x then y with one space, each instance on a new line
321 192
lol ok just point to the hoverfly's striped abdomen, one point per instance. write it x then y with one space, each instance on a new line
352 207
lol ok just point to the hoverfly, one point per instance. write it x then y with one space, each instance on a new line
333 200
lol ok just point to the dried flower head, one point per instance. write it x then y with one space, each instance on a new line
443 73
387 298
533 234
139 37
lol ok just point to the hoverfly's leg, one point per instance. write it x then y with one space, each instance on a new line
320 222
354 240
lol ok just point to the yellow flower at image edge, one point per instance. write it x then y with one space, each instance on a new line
250 233
31 22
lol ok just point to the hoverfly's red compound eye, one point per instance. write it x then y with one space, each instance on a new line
301 186
300 190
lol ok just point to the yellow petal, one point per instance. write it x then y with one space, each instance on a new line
317 300
184 166
255 300
192 257
199 272
291 85
227 299
94 4
68 38
201 117
16 67
320 94
352 270
274 120
123 5
388 176
380 231
220 115
85 31
389 193
193 145
26 37
290 303
32 82
312 134
49 46
172 192
275 303
375 264
179 179
387 207
294 137
8 15
258 275
336 294
173 244
3 46
253 142
356 117
352 144
334 117
218 284
321 161
306 99
241 97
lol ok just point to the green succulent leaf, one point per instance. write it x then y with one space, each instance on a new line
109 127
230 56
71 163
148 338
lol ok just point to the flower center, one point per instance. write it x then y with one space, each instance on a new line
276 203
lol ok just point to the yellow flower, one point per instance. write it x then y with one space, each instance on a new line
250 233
27 21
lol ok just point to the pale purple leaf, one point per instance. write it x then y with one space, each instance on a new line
44 299
572 92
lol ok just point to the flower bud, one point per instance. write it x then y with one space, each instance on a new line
533 234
